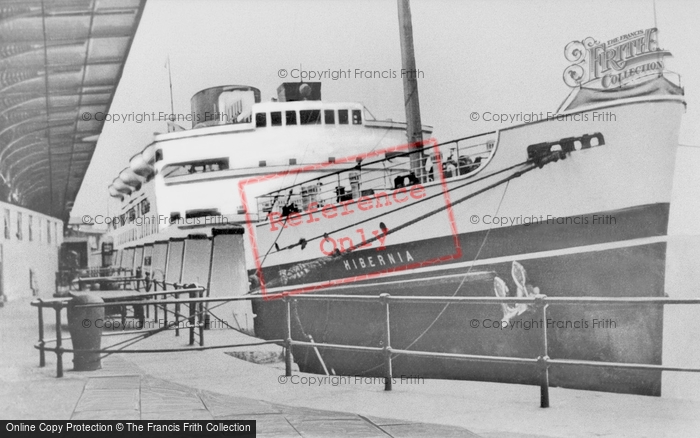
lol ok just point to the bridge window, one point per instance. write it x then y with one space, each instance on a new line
356 117
30 230
276 118
291 117
200 166
159 154
310 117
329 116
343 118
260 120
48 231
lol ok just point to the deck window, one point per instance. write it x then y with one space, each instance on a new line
329 116
356 117
7 223
260 120
343 118
145 206
310 117
201 166
19 225
276 118
291 117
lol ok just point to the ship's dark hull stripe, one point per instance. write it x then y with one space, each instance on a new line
576 231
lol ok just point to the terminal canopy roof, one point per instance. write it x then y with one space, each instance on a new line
60 63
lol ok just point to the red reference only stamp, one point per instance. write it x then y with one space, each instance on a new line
307 236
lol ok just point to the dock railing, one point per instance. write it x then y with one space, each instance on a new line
196 304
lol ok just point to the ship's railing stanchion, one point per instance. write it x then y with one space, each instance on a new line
42 344
288 335
543 359
387 343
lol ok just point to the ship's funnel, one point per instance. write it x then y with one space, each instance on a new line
223 105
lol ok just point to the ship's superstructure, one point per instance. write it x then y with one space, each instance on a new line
195 172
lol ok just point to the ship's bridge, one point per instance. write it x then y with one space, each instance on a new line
60 63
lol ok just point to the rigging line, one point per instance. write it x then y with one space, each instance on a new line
136 339
427 198
239 329
289 197
439 315
476 257
386 131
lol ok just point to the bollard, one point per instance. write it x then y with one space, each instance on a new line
85 335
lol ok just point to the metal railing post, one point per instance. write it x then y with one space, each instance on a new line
177 312
155 306
288 336
543 359
148 289
388 377
42 353
59 341
193 310
165 309
200 294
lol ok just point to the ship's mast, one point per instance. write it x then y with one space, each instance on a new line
414 129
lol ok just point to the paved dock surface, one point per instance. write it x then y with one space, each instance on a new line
214 385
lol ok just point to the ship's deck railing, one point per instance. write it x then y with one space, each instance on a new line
196 304
390 171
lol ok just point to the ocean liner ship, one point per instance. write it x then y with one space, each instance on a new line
575 203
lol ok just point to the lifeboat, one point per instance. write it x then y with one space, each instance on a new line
130 178
142 163
121 187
